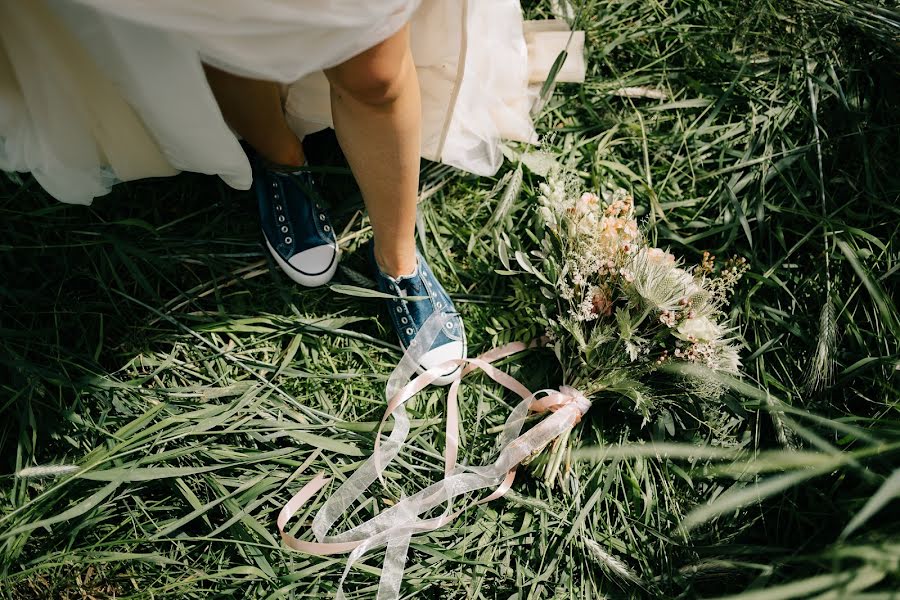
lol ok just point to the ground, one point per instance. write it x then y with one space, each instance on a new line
149 345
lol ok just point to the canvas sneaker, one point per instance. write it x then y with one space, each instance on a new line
408 316
295 226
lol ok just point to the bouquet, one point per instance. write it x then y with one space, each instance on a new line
616 309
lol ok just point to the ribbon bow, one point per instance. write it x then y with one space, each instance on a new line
395 526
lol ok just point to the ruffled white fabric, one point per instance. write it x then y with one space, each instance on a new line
93 92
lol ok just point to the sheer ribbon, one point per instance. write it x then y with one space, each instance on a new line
395 526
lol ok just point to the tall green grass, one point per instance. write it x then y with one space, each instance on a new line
165 389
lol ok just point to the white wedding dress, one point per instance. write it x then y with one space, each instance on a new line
95 92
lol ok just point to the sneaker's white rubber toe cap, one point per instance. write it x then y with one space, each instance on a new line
440 355
310 268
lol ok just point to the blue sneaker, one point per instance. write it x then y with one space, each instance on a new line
296 228
408 316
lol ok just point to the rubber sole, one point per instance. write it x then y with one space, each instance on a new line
448 378
301 277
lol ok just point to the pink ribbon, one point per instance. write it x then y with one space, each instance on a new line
395 526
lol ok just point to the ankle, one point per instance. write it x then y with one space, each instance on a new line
396 264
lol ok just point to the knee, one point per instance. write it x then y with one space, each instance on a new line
374 82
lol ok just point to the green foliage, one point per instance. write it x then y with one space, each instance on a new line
165 389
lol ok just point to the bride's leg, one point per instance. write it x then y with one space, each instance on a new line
253 108
377 118
296 230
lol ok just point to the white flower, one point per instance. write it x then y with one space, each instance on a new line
549 218
633 350
701 329
728 359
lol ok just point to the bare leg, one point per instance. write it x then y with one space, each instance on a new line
253 108
377 115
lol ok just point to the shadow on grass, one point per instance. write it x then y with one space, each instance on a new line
84 288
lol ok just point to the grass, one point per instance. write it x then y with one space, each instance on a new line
165 389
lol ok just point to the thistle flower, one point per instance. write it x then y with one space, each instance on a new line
659 284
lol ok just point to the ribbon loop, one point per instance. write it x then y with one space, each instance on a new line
395 526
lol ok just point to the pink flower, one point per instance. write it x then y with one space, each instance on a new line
658 256
585 206
610 225
623 206
590 199
630 228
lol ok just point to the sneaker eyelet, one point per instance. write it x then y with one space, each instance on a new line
284 229
449 325
274 185
281 218
321 217
275 196
404 320
439 304
409 331
399 309
327 228
278 208
288 240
